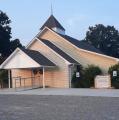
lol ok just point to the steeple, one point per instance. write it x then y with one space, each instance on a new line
51 9
53 24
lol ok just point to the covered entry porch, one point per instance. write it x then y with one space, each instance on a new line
27 78
27 68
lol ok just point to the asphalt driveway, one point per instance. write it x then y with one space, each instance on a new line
34 107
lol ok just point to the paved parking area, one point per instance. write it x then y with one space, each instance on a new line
40 107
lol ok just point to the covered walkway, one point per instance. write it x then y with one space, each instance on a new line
26 68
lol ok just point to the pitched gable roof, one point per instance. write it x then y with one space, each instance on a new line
38 57
52 22
91 50
81 44
59 51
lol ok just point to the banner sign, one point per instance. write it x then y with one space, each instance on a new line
114 73
77 74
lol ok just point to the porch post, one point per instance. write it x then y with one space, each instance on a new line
32 77
70 73
9 78
43 77
69 77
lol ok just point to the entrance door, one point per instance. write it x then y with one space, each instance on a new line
38 78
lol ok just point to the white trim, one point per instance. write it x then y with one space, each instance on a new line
47 66
40 33
43 77
86 50
17 49
53 51
56 52
5 62
31 42
70 77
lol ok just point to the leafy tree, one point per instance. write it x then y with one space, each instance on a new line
14 44
105 38
5 34
6 46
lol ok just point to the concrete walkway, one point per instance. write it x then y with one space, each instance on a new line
66 92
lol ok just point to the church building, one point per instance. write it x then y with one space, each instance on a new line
51 58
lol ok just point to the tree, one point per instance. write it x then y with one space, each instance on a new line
105 38
5 34
6 46
14 44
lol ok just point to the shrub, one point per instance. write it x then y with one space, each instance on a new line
3 77
76 81
87 76
114 79
90 73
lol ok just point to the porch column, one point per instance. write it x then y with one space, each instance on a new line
9 78
43 77
70 77
70 74
32 77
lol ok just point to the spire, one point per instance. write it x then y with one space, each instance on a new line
53 24
51 9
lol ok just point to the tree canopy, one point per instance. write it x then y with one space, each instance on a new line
5 34
6 44
105 38
14 44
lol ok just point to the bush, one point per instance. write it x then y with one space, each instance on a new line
89 75
3 77
76 81
114 79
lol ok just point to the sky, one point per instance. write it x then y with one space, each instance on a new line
76 16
